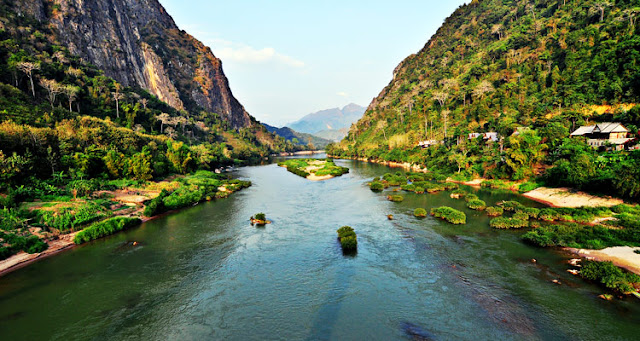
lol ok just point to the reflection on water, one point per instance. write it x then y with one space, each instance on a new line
206 273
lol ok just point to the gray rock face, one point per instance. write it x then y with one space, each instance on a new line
137 43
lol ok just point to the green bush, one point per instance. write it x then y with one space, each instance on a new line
493 211
376 186
459 193
511 206
395 198
582 236
408 187
348 238
260 216
419 190
532 212
420 212
508 223
610 276
520 216
476 204
449 214
105 228
156 206
470 196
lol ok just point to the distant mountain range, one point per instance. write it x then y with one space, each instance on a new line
328 123
302 138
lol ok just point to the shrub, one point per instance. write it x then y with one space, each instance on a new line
183 197
532 212
583 237
476 204
395 198
376 186
260 216
449 214
458 193
419 190
348 238
610 276
408 187
156 206
508 223
549 214
470 196
105 228
528 186
493 211
511 206
520 216
420 212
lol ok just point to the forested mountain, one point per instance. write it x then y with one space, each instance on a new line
157 98
303 140
329 119
496 65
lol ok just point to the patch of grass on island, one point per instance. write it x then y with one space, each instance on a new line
312 168
450 215
348 239
420 212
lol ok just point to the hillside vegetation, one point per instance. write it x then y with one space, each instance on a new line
545 67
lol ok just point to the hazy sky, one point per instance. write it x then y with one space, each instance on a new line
285 59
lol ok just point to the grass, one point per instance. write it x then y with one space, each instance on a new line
582 236
395 198
450 215
508 223
420 212
105 228
610 276
476 204
304 167
348 238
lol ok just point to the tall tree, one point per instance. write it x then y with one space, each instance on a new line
28 68
53 89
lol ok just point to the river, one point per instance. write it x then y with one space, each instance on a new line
206 273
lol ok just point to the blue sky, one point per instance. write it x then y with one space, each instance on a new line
285 59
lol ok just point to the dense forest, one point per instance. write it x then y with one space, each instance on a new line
532 71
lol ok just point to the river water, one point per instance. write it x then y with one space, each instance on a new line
205 273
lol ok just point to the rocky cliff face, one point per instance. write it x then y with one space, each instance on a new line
137 43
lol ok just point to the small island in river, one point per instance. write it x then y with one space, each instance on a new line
314 169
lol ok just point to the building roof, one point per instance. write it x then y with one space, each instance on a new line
583 130
603 128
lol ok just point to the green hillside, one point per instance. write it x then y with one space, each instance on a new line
496 65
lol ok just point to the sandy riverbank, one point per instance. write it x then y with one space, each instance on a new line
22 258
565 197
621 256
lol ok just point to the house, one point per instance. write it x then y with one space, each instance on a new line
429 143
491 136
607 134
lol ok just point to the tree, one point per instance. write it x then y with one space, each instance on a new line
117 96
164 118
53 89
600 7
144 103
497 29
28 68
482 88
71 92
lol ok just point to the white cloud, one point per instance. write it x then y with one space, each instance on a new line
240 53
342 94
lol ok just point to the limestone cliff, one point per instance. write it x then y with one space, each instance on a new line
137 43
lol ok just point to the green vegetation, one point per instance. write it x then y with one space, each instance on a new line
610 276
476 204
395 198
508 223
13 243
376 186
493 211
105 228
449 214
260 216
582 236
420 212
318 167
530 72
348 238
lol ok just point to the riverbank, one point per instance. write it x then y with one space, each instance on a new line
147 202
621 256
565 197
314 169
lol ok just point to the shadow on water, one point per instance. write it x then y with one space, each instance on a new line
416 332
327 316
